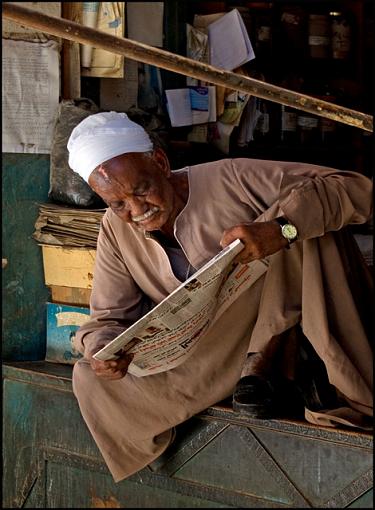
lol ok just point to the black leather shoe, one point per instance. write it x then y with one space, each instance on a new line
255 397
312 381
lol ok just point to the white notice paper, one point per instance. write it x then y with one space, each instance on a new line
31 87
191 105
229 42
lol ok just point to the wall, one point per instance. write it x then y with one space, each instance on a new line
25 182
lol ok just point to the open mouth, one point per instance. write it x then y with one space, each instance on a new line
146 216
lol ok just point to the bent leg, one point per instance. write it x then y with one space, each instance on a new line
113 422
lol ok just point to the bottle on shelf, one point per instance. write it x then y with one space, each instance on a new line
262 131
307 128
341 35
259 29
263 37
319 30
292 31
288 125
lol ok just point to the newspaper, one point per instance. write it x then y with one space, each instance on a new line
168 334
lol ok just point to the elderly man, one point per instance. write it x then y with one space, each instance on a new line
161 226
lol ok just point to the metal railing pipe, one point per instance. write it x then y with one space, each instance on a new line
134 50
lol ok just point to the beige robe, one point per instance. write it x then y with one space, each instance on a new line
309 285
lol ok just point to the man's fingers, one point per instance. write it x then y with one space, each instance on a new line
110 377
260 239
243 258
112 369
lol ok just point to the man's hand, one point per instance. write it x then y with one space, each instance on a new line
112 370
260 239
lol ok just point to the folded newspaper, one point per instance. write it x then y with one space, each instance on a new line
168 334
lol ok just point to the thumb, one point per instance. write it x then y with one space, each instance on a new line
227 238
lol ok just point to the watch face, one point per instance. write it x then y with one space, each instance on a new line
289 231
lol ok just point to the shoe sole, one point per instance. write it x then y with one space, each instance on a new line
258 412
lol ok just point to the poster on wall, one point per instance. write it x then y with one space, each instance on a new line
30 95
107 17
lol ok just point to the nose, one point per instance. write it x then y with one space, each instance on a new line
136 206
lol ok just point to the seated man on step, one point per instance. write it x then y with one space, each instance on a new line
306 314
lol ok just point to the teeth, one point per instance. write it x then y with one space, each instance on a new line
146 215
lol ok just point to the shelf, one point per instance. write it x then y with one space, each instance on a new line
280 34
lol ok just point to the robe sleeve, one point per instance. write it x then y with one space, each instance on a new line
316 199
116 301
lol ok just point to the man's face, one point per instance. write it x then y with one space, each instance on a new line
137 188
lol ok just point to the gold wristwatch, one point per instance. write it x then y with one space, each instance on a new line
288 230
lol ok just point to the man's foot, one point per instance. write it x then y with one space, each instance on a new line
258 397
254 396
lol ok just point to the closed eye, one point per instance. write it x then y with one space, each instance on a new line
117 206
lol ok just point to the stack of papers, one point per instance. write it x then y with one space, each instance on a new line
61 225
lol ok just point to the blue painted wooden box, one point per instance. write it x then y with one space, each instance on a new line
62 323
219 458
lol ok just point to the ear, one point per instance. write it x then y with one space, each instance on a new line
161 159
92 180
95 180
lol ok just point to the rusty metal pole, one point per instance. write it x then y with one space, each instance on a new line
72 31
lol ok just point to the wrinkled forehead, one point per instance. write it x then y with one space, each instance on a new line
126 170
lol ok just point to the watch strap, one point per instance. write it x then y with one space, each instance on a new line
282 221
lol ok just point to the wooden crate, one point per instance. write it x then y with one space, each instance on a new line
70 295
68 267
62 323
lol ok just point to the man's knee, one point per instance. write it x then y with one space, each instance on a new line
82 375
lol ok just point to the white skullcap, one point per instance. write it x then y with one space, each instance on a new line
103 136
